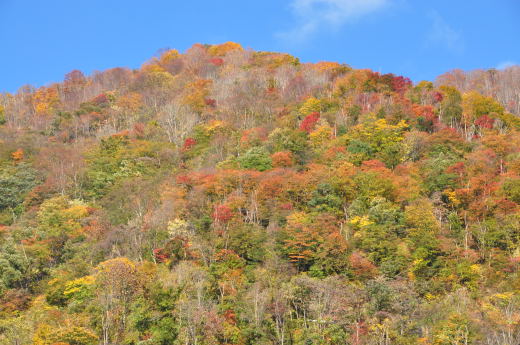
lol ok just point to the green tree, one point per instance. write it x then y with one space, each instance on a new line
15 182
257 158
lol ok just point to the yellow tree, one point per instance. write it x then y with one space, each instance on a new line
117 281
45 101
310 105
475 105
196 94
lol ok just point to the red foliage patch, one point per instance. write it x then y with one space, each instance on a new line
100 99
189 143
286 206
184 179
425 111
160 255
400 84
210 102
309 122
485 122
222 214
438 97
216 61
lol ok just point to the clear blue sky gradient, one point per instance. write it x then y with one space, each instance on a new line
42 40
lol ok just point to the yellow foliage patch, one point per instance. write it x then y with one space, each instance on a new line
360 221
224 48
311 105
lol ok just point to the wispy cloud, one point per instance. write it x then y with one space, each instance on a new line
441 33
506 64
315 15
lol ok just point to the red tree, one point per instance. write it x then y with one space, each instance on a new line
309 122
222 214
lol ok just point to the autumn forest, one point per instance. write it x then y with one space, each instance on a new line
230 196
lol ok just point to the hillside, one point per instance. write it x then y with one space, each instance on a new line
228 196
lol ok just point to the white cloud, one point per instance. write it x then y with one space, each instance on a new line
314 15
442 33
506 64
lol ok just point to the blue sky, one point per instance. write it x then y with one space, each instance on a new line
42 40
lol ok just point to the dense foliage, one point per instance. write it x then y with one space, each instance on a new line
227 196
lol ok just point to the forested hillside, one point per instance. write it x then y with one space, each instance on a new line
229 196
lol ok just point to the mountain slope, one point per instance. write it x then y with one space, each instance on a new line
227 196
